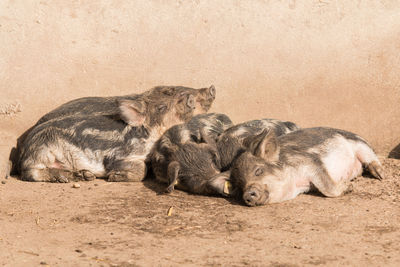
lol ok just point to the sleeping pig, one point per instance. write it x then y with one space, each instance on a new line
109 106
83 146
276 169
204 97
186 156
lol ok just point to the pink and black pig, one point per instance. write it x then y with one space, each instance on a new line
278 168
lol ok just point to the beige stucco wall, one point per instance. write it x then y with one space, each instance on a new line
331 63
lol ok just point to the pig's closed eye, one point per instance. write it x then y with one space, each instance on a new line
258 172
161 108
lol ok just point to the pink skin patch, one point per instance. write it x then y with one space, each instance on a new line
356 170
56 165
302 183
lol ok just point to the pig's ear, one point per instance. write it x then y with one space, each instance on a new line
172 175
187 100
133 112
265 145
191 101
212 91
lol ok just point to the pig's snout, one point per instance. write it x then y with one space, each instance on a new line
254 196
251 197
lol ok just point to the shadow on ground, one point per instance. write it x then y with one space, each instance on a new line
395 152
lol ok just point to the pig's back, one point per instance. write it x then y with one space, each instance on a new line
310 137
86 106
315 143
254 127
215 123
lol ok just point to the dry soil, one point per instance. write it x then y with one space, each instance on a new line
127 224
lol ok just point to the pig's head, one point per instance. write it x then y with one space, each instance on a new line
157 111
253 173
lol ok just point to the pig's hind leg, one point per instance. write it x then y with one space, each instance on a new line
43 166
338 166
329 185
344 164
47 175
331 188
127 171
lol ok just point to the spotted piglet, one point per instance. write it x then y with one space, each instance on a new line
276 169
113 146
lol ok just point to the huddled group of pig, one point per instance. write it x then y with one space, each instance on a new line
167 132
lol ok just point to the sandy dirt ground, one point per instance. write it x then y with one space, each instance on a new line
126 224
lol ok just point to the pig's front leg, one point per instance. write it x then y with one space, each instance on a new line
123 171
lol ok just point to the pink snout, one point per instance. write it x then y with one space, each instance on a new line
255 195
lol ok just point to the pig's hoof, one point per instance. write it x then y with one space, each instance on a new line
169 189
84 175
123 176
88 176
62 179
376 169
171 186
116 176
60 176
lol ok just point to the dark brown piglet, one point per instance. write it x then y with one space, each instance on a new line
186 156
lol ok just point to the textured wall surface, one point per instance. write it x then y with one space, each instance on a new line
331 63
